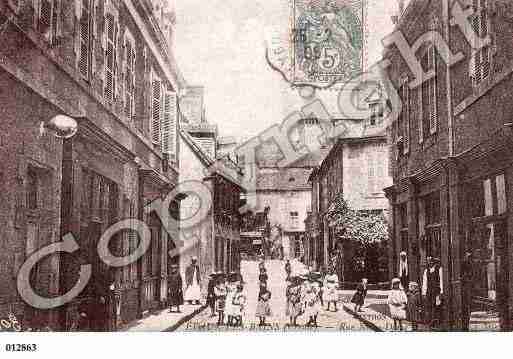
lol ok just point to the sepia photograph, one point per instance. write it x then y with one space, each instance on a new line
267 167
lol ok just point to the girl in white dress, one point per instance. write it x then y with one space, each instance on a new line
397 302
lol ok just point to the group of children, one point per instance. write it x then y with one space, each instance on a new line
226 299
405 305
304 297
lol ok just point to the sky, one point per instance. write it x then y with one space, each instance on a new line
220 44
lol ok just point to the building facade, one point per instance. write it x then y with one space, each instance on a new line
452 168
215 239
108 65
355 168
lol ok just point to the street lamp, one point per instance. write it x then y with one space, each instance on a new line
62 126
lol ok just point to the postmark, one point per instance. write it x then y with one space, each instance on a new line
327 40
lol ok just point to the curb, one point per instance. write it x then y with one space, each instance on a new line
185 319
367 322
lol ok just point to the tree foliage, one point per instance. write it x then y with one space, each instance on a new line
365 227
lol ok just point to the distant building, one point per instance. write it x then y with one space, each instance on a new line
356 167
215 240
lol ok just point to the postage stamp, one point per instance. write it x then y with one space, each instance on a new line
328 41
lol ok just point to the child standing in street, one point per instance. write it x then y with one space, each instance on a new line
414 305
239 303
220 293
263 309
397 302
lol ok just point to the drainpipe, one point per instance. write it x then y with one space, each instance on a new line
448 279
450 117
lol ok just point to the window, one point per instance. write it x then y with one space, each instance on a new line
294 219
376 170
403 217
403 121
32 189
48 19
487 197
429 94
156 98
376 113
432 228
129 74
480 61
85 23
111 35
169 125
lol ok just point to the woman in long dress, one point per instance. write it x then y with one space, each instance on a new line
174 289
397 302
331 289
263 309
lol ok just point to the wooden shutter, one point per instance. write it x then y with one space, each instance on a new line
433 111
155 110
169 125
85 39
110 57
406 116
129 78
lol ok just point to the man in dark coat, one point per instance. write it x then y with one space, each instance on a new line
467 274
211 296
193 282
102 313
174 288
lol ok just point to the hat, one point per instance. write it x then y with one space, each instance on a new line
395 281
194 258
403 253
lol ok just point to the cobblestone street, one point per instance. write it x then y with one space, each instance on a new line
340 320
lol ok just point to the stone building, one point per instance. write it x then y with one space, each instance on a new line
214 239
356 167
109 65
452 164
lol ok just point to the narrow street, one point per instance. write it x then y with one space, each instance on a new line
327 320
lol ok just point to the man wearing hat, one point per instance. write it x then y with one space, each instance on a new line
193 280
433 289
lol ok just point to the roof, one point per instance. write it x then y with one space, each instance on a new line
283 179
226 169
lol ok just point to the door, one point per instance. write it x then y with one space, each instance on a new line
490 292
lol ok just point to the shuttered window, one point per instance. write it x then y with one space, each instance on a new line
433 91
169 119
111 33
129 84
48 19
429 96
85 38
156 90
480 62
406 116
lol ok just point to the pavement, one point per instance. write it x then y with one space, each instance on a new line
163 320
333 321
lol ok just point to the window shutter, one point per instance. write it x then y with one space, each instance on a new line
45 18
169 125
485 63
420 114
127 74
110 57
85 38
433 111
155 111
406 117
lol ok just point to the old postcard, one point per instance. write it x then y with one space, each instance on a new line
255 166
